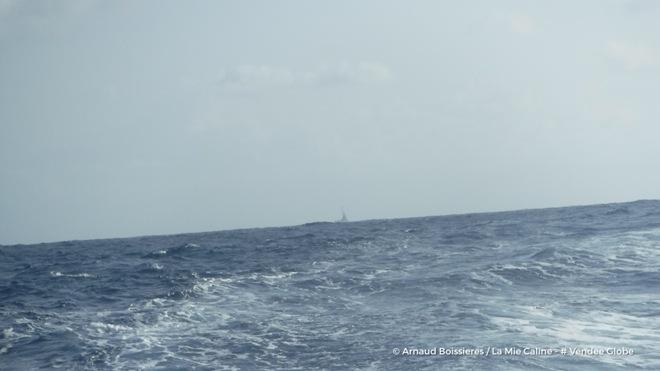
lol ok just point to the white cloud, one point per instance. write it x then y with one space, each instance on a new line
347 73
633 56
253 76
260 76
519 23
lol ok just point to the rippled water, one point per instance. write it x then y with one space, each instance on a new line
344 295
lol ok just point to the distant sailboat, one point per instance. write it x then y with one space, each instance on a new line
343 219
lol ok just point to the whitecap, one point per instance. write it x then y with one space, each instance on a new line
81 275
106 327
9 332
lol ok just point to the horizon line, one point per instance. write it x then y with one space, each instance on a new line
330 222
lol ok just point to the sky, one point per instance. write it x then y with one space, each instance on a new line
126 118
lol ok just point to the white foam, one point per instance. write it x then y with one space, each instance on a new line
9 332
81 275
108 327
593 329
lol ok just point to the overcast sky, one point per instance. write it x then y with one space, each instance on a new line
124 118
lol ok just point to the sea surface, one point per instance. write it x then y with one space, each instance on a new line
494 290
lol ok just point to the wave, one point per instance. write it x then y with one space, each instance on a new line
342 295
73 275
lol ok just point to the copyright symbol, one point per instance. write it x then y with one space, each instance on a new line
396 351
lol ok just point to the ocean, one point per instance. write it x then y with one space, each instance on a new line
574 288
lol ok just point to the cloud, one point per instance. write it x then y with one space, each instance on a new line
254 76
44 10
6 7
346 73
633 56
518 22
641 5
263 76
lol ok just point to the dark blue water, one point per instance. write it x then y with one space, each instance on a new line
344 295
